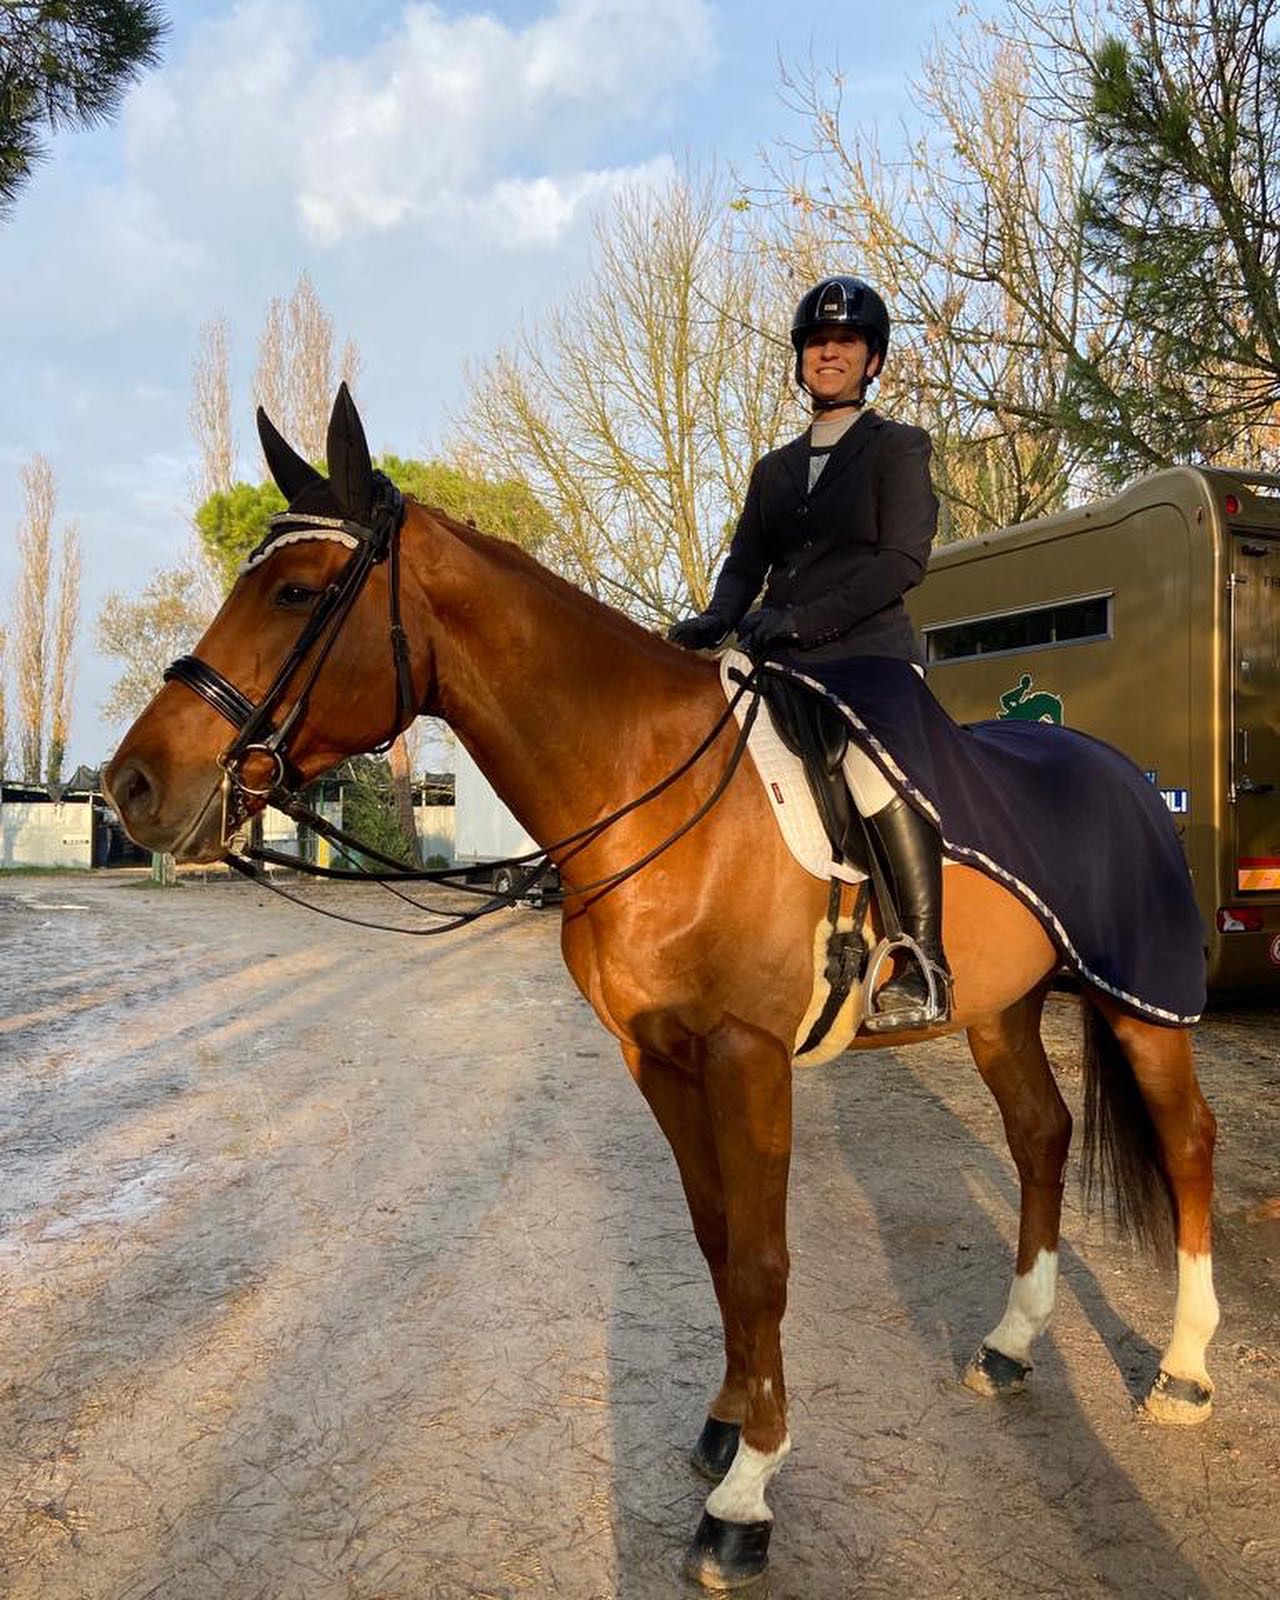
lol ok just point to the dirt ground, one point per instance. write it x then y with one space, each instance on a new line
340 1266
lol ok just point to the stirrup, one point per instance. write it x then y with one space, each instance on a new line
936 1007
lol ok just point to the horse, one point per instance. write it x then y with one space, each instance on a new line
360 612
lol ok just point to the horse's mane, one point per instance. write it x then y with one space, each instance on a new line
518 560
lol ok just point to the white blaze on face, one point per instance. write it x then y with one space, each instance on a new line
1030 1306
739 1497
1195 1317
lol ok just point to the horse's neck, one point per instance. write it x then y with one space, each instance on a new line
553 694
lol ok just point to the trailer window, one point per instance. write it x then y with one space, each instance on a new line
1072 622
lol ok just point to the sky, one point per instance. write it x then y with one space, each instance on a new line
434 168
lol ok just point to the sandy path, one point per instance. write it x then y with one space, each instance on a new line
341 1265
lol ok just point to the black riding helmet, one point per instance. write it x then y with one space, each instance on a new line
846 300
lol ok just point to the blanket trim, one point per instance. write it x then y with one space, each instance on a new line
884 760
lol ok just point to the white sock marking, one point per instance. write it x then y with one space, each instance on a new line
1195 1317
1029 1308
739 1496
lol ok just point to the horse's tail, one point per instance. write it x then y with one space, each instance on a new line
1122 1166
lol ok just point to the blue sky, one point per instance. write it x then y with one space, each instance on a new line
432 167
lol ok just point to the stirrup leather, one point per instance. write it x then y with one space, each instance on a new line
936 1006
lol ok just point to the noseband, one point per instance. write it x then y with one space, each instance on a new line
256 730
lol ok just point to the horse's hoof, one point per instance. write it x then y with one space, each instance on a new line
728 1555
1180 1401
717 1445
993 1373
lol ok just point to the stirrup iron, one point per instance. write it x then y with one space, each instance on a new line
936 1005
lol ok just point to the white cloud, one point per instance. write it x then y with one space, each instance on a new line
537 211
412 170
258 146
448 115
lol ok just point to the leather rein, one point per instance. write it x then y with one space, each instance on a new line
258 735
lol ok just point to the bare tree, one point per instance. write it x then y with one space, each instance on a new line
66 618
294 379
146 633
4 705
636 418
350 365
211 411
44 627
310 370
270 384
31 611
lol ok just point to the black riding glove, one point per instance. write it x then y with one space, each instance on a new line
763 630
700 632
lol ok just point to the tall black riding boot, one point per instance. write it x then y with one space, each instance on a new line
911 851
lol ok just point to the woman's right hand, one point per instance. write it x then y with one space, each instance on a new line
700 632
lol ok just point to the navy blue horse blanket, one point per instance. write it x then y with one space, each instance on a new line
1061 819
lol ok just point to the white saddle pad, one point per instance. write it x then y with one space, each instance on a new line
785 784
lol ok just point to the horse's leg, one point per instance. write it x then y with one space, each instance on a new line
676 1097
1013 1064
1185 1128
745 1076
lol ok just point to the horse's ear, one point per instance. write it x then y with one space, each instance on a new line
350 469
291 472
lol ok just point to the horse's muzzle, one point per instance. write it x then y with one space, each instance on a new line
158 820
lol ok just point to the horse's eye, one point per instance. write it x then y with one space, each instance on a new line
293 595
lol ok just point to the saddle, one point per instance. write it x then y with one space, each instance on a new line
811 728
814 730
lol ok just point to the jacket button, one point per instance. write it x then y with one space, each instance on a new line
802 511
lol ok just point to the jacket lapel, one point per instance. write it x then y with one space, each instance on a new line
795 458
850 449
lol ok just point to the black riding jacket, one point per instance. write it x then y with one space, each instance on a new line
838 559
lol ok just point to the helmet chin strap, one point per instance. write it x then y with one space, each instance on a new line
857 403
835 405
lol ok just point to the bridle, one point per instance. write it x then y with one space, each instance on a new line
257 733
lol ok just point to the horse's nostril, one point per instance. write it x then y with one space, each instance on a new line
134 790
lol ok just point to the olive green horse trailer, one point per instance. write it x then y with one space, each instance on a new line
1150 620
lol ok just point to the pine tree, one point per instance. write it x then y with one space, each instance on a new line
65 63
1185 117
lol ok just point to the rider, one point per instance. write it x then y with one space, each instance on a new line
840 523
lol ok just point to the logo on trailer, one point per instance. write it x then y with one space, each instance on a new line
1177 800
1020 705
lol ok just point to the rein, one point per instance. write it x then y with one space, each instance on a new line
537 862
257 734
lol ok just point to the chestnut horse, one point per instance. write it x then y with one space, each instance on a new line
701 964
